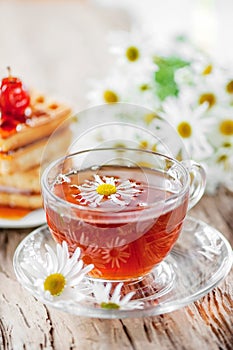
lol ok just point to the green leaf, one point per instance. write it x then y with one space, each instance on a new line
164 77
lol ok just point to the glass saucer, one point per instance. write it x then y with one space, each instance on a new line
201 258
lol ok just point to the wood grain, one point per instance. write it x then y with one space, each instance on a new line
205 324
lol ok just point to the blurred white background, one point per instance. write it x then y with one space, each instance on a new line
56 46
207 22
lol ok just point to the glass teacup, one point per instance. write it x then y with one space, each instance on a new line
123 207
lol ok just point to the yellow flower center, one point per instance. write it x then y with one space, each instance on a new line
207 70
224 159
179 156
226 127
184 129
110 96
208 97
119 145
227 144
229 87
109 305
55 283
154 148
144 87
149 117
132 53
143 144
106 189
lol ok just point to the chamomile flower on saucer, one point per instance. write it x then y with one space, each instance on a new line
107 188
58 275
190 123
108 299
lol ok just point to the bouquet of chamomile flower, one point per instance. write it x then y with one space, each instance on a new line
183 85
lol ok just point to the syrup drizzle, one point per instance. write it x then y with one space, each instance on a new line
11 213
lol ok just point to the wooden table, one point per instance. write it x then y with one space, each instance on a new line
205 324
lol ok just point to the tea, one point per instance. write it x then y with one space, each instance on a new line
125 219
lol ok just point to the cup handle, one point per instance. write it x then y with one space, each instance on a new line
197 177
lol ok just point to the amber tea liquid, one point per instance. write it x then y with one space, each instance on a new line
125 238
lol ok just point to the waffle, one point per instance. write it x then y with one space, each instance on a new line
27 181
21 200
46 115
29 156
21 189
26 145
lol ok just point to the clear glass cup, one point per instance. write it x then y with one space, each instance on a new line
123 207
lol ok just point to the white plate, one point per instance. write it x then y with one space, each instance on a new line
33 219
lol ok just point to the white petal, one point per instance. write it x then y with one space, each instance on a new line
31 269
126 298
53 256
117 294
73 268
116 200
76 254
98 179
131 305
107 290
63 255
109 180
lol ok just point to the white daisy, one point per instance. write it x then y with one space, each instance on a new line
136 84
184 76
209 86
190 123
182 48
221 133
228 86
108 299
109 90
58 275
104 189
132 48
141 86
220 169
223 80
197 72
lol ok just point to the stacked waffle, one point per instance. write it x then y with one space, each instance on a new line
24 144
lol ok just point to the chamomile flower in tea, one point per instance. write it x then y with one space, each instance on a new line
106 188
